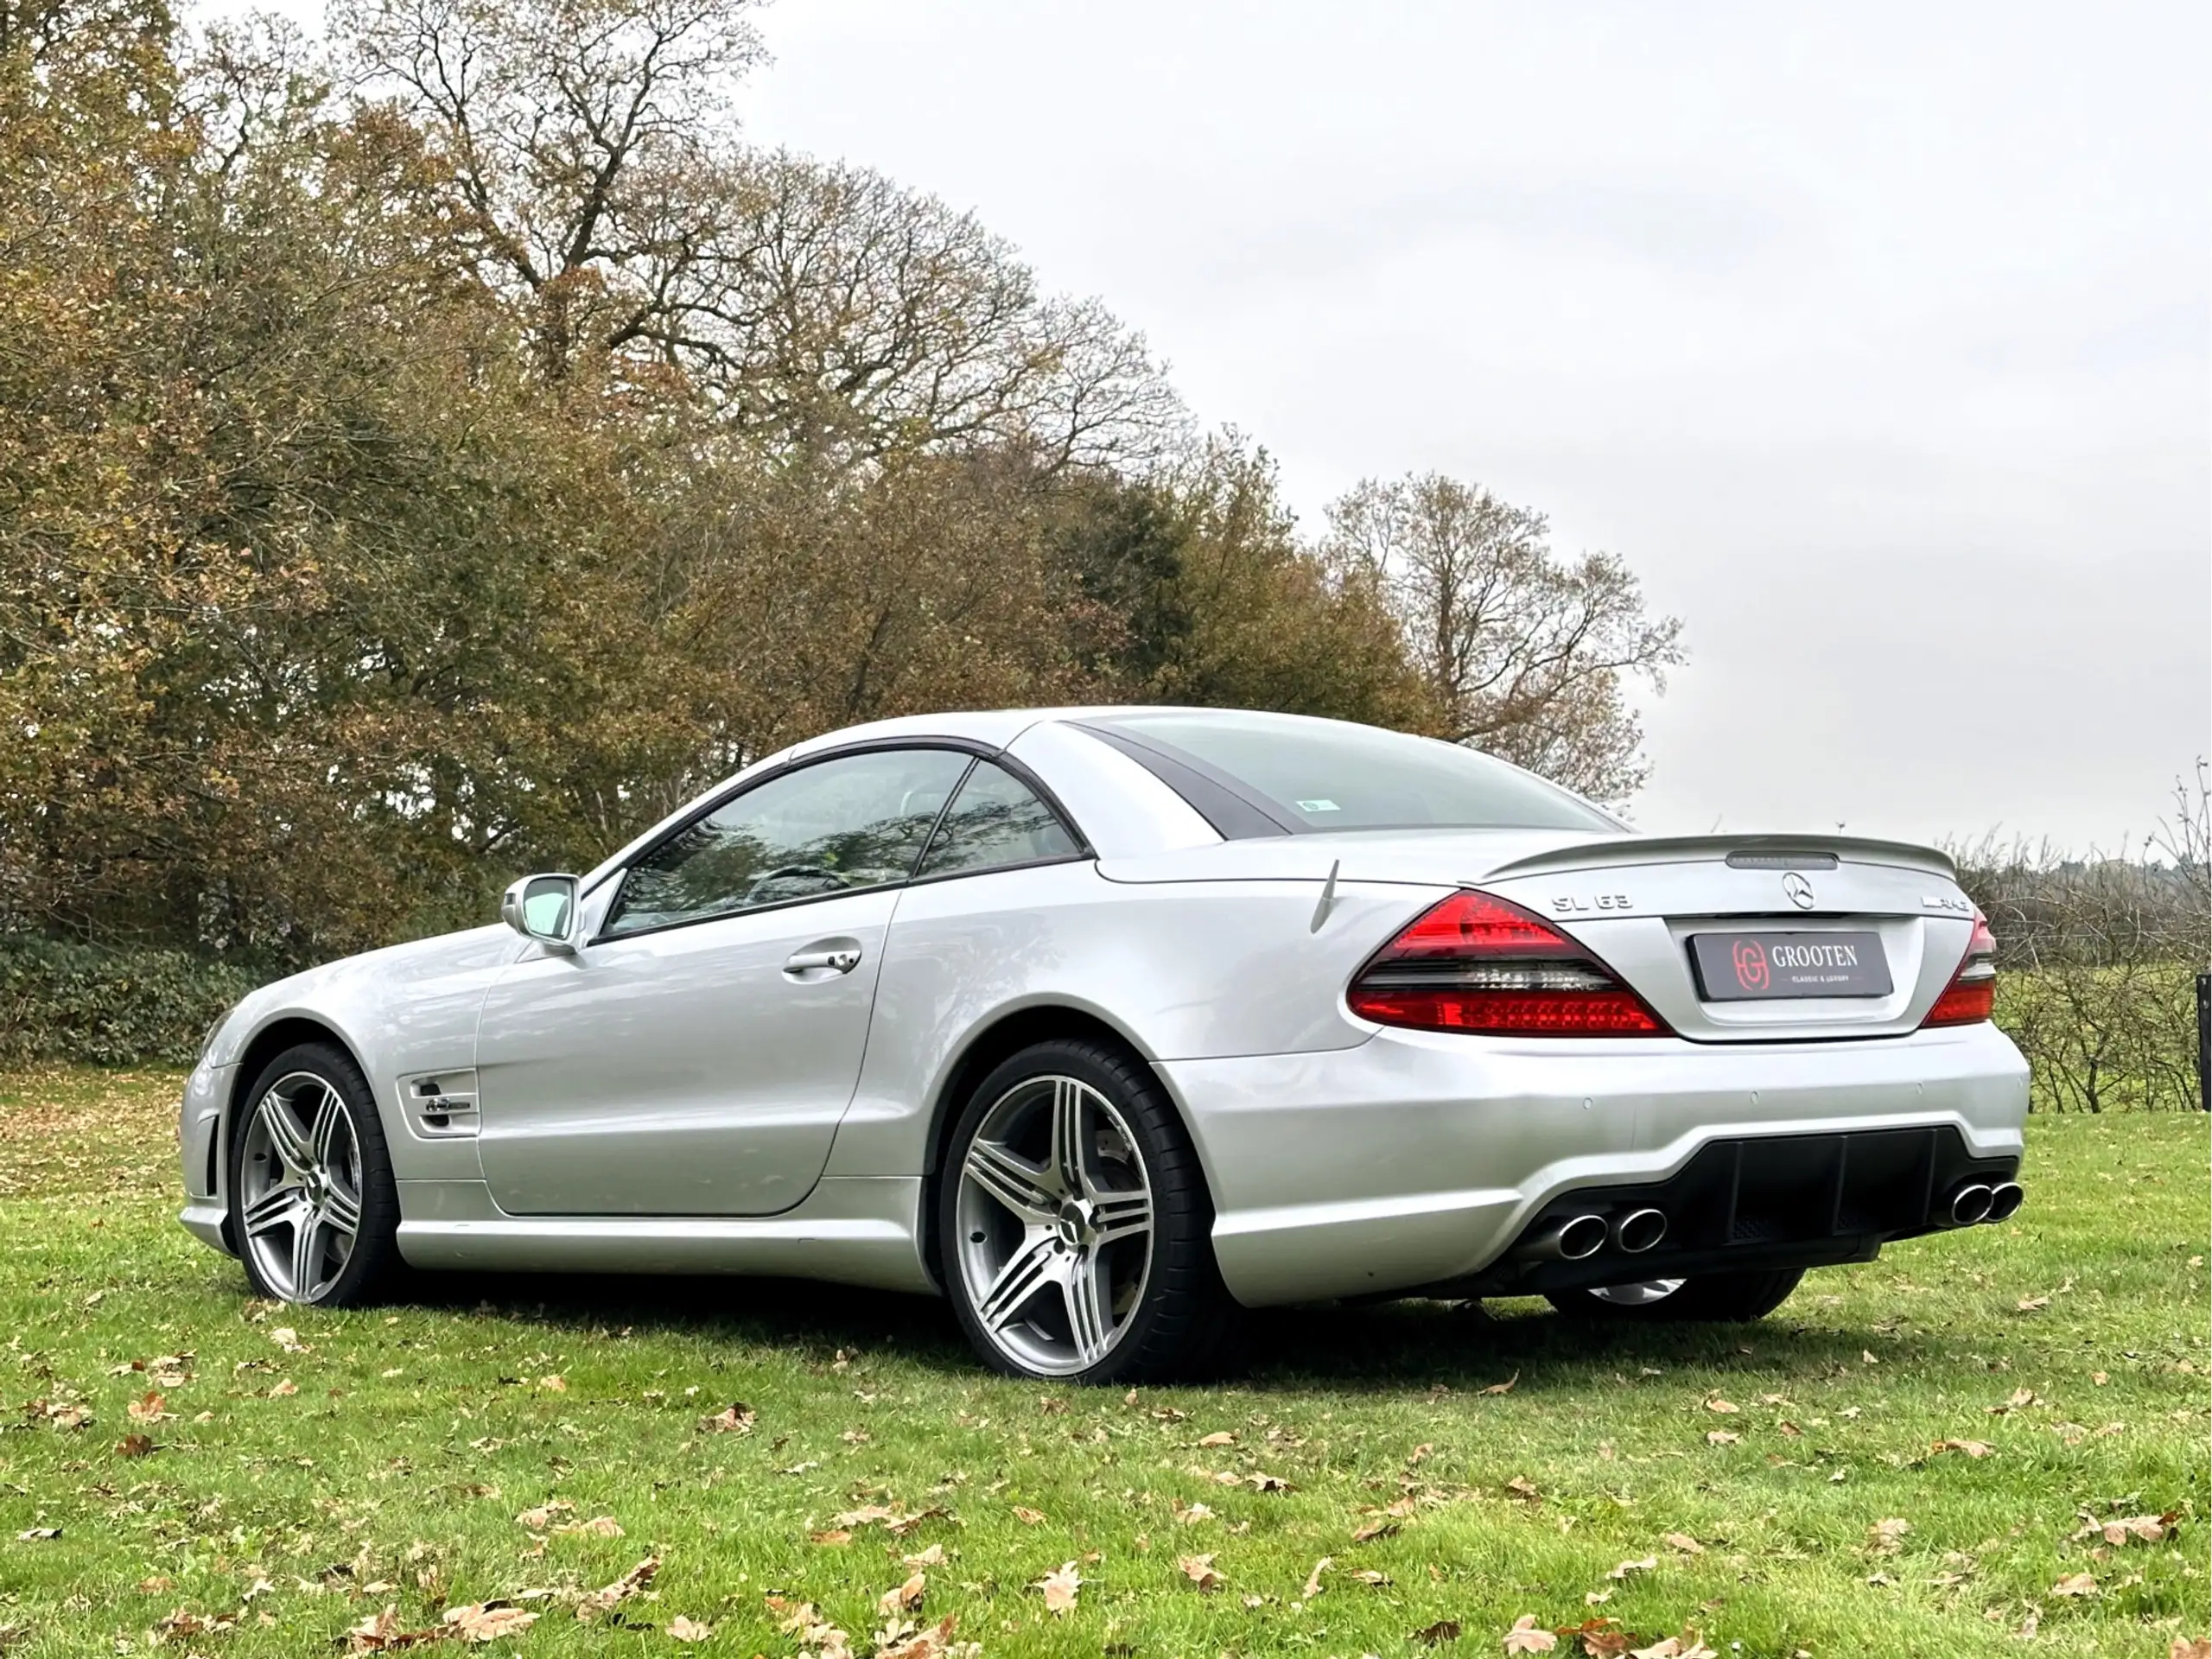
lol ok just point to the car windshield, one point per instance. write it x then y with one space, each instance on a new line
1325 774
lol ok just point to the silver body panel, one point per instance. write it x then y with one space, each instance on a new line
677 1101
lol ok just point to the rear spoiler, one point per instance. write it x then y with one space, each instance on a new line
1771 852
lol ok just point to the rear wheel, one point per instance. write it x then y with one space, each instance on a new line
1074 1227
1719 1297
312 1207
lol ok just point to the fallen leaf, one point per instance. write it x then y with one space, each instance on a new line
1684 1542
1375 1529
1198 1569
1884 1536
1522 1487
2139 1528
1429 1635
1714 1402
933 1643
1027 1516
1266 1483
284 1390
2020 1398
904 1597
1219 1437
135 1446
1528 1636
289 1339
933 1556
604 1599
1314 1579
2031 1304
1190 1515
37 1535
833 1536
1626 1567
1369 1576
600 1526
488 1621
1722 1437
688 1630
150 1409
737 1418
1061 1588
557 1383
1972 1448
1505 1387
539 1519
2076 1583
2185 1648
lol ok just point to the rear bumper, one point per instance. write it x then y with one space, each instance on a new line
1419 1159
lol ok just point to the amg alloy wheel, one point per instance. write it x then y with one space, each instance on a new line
1074 1224
312 1206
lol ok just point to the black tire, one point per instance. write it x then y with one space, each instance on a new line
1183 1324
372 1265
1719 1298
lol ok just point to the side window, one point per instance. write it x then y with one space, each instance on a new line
839 826
994 821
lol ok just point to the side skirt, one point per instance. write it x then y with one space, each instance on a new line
851 1230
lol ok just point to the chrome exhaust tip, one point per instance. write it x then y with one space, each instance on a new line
1969 1204
1568 1240
2005 1200
1638 1230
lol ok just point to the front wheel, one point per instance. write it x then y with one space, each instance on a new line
314 1210
1074 1224
1722 1298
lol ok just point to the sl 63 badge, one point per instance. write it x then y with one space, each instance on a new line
1571 906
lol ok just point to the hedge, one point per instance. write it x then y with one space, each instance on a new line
110 1006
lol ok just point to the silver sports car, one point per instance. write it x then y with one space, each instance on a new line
1106 1022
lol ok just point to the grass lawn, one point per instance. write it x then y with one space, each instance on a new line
1436 1473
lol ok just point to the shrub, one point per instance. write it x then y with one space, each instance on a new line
110 1006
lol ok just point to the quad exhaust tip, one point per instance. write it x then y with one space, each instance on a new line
1970 1204
1638 1230
1569 1240
2004 1198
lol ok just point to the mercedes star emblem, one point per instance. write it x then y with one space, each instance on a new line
1799 890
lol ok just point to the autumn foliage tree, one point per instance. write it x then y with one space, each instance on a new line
435 455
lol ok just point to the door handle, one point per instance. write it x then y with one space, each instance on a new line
841 956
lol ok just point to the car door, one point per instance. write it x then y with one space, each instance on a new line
695 1057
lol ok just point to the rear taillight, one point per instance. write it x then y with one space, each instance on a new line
1972 994
1476 963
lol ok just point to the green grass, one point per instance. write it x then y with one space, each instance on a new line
392 1469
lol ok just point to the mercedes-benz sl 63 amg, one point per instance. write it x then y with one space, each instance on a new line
1104 1022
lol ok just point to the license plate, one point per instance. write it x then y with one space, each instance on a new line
1752 966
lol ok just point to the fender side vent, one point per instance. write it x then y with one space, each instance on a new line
440 1105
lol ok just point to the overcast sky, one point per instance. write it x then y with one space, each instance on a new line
1874 337
1877 338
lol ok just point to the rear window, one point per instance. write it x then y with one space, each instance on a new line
1304 775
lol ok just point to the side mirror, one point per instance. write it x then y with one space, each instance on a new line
543 907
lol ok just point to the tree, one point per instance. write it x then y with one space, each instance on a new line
1528 657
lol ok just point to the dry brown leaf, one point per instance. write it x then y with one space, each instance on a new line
1061 1588
1528 1636
1505 1387
1314 1579
1219 1437
1430 1636
1684 1542
1522 1487
1027 1516
488 1621
933 1643
736 1418
135 1446
2031 1304
556 1383
1972 1448
833 1536
152 1409
1714 1402
688 1630
904 1597
933 1556
1189 1515
1199 1570
2185 1648
539 1519
2020 1399
37 1535
284 1389
1375 1529
1885 1536
603 1601
600 1526
2076 1583
1722 1437
1646 1565
1369 1576
1265 1483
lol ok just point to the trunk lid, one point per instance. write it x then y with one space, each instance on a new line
1638 902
